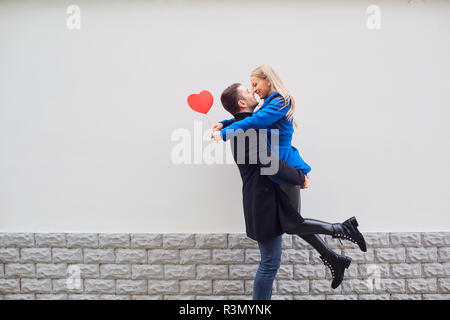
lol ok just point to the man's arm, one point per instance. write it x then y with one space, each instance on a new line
226 122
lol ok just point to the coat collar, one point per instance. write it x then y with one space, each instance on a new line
270 98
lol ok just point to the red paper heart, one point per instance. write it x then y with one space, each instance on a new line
201 102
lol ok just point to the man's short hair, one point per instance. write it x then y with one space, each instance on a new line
230 97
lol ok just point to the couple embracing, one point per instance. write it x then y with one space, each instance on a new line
271 198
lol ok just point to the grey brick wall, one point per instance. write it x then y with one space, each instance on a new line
216 266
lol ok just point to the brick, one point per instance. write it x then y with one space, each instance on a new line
390 255
49 270
195 256
66 255
374 297
163 256
241 241
82 240
114 297
433 270
179 272
99 256
8 255
406 270
115 271
146 297
179 297
44 296
85 270
242 271
444 254
295 256
309 271
19 270
374 270
69 285
212 272
252 256
210 241
376 240
48 240
131 256
324 287
131 286
422 285
163 286
407 239
114 240
178 241
444 285
145 271
36 285
390 286
284 272
406 296
18 240
29 296
195 287
99 286
309 297
9 286
342 297
228 286
83 297
431 296
287 242
35 255
146 240
421 254
360 257
436 239
356 286
293 286
227 256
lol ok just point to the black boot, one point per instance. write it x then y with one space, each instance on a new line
337 264
348 230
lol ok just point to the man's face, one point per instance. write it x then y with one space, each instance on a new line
247 99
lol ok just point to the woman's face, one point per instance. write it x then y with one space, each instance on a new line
260 87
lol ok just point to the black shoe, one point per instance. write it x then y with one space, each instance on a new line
348 230
337 265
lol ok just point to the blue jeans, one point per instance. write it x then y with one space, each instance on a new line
268 267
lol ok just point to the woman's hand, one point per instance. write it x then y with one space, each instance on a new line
306 184
217 126
217 136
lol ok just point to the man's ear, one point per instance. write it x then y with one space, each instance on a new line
241 104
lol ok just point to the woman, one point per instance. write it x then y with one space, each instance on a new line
277 112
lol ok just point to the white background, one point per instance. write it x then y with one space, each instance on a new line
86 116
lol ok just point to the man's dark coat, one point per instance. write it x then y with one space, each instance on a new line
267 209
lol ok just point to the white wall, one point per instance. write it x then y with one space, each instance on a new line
86 116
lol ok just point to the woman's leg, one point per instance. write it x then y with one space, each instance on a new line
309 229
309 226
270 263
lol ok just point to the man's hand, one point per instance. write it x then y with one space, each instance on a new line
306 184
216 136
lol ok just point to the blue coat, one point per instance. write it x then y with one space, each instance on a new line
269 116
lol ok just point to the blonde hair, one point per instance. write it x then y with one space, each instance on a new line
266 72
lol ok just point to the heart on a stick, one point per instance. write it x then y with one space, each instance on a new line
201 102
